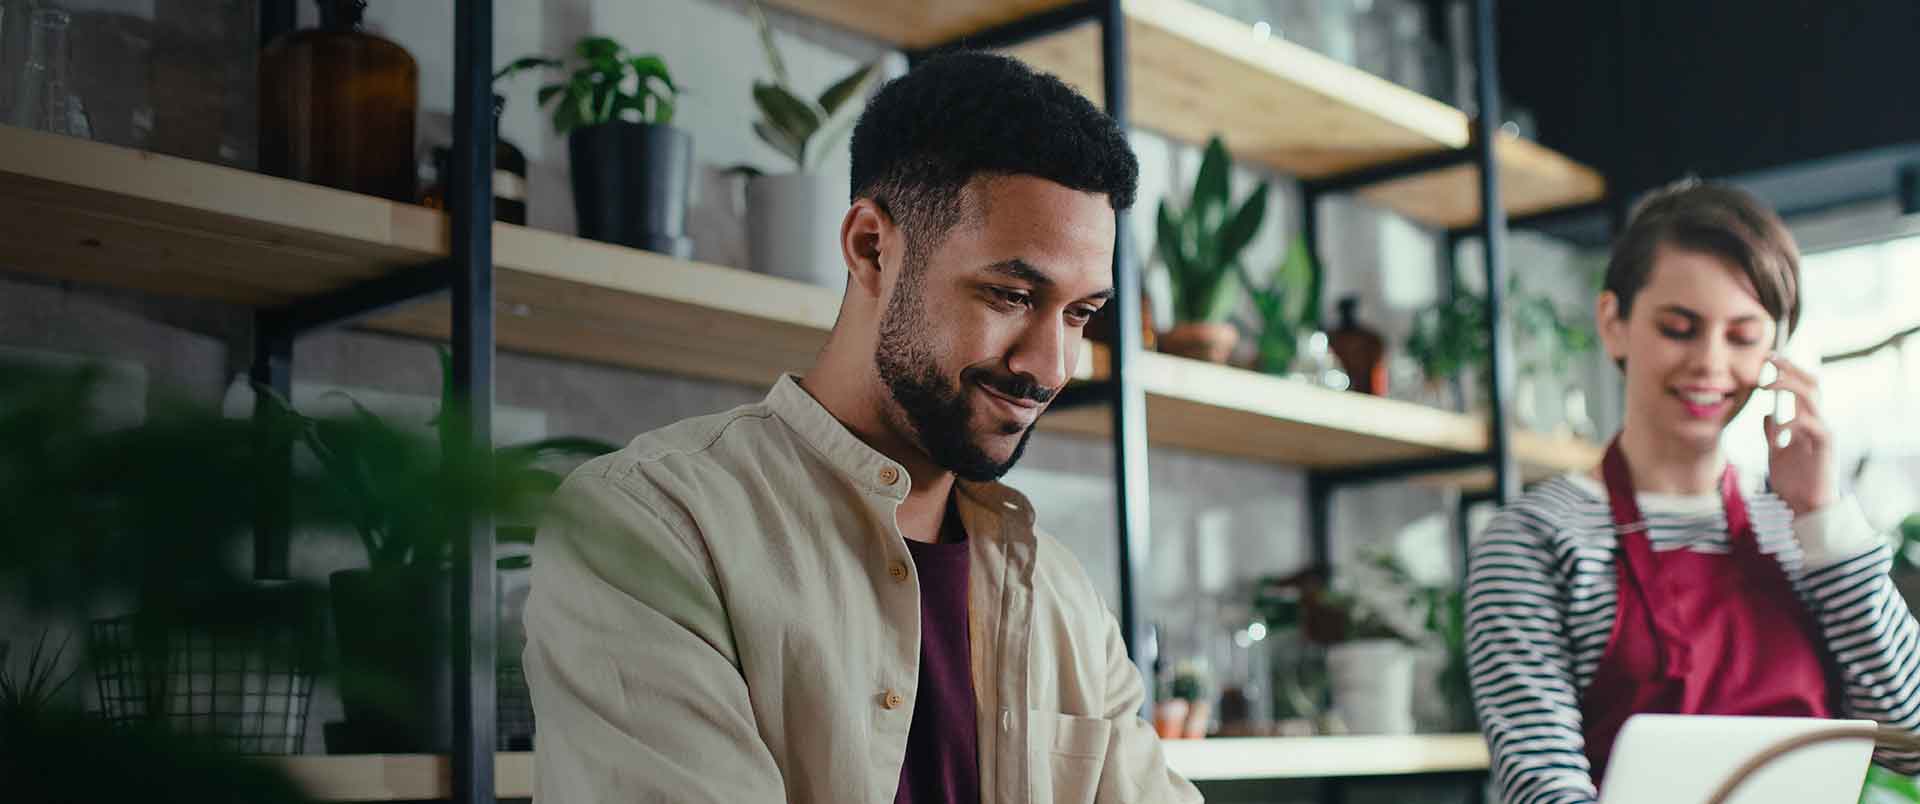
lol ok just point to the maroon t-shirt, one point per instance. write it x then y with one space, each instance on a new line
943 758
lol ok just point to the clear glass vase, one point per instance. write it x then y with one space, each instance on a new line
43 96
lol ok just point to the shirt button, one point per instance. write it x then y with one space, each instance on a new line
897 570
891 700
889 475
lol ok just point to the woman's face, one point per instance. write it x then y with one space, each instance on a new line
1693 347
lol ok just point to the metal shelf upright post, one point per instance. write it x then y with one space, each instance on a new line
468 276
471 209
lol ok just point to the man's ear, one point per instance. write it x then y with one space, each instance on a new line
863 234
1612 326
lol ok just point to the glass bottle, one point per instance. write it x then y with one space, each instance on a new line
337 106
1361 351
43 95
509 176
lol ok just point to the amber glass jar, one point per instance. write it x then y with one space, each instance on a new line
337 106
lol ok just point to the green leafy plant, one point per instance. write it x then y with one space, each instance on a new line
392 485
801 129
1192 681
1287 305
1447 618
152 512
1373 598
1201 244
1451 336
609 84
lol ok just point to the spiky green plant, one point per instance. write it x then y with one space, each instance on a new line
1201 243
801 129
610 84
36 689
393 487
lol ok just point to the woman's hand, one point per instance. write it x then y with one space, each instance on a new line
1802 470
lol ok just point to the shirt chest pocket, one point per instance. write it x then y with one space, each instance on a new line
1067 753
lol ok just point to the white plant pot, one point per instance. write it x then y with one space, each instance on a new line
793 228
1372 683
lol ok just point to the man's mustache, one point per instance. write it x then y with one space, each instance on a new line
1018 386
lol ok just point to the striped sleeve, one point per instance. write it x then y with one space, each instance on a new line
1521 661
1871 635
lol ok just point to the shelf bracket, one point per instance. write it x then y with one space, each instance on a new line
366 299
1380 174
1398 470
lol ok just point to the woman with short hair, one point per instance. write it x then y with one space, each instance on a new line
1659 581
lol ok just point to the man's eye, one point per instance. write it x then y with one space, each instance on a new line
1012 297
1079 316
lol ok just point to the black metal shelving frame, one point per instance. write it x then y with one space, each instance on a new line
467 276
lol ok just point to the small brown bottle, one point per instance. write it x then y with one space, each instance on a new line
1362 352
337 106
509 176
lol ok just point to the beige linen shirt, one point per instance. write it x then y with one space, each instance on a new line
725 611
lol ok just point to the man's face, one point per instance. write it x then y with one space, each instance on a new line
982 332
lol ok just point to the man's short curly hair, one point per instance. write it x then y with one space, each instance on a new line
967 114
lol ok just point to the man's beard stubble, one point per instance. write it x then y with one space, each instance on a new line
939 412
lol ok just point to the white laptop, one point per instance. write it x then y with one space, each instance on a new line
1683 759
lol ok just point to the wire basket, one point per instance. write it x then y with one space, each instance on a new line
246 689
513 725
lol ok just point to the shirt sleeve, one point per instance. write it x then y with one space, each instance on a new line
1869 629
1135 769
1520 662
631 663
1835 533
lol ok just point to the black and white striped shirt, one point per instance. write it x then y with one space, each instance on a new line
1540 608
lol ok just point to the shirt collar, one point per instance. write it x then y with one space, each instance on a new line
866 468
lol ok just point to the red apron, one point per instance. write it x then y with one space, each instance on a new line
1697 633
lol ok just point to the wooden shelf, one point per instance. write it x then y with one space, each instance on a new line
400 777
1321 757
71 209
1232 411
77 210
412 777
1196 72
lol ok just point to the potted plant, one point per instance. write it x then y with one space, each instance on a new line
391 619
1185 705
631 168
793 219
1370 619
1450 337
1288 304
1200 246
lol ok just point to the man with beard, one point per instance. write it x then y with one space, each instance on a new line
826 597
